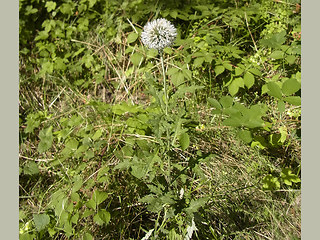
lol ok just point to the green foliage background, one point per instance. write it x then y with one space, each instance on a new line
100 159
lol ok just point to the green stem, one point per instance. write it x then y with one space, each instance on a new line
164 83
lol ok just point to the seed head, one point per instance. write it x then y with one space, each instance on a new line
158 34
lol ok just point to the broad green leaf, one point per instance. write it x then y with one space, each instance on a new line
99 196
274 90
31 168
219 69
136 58
66 8
277 54
97 135
245 135
233 122
288 177
281 106
233 88
198 61
227 66
255 71
284 133
92 3
87 236
77 185
184 141
270 183
238 71
214 103
294 100
172 71
290 86
291 59
102 217
41 221
248 79
132 37
226 101
46 139
177 78
50 6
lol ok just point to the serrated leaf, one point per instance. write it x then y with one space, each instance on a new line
290 86
248 80
274 90
196 204
41 221
184 141
219 69
132 37
46 139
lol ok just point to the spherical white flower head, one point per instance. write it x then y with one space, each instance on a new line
158 34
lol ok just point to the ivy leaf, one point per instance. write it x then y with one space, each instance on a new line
184 141
41 221
50 6
288 177
270 183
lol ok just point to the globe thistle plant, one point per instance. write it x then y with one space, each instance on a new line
158 34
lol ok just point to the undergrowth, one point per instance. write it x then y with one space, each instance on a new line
105 155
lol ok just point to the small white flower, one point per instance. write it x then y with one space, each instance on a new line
158 34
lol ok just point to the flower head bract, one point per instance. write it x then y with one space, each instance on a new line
158 34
